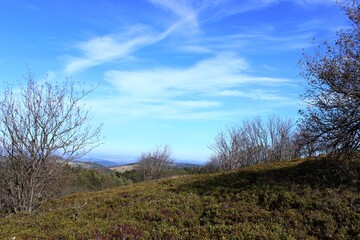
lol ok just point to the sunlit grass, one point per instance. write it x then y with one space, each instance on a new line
287 200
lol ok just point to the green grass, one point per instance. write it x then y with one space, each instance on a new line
312 199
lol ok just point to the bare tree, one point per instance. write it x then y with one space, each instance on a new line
281 139
228 150
307 148
41 127
254 142
155 164
331 121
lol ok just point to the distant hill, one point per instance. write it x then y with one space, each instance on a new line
124 168
87 165
132 166
118 161
187 165
115 166
303 199
110 161
107 163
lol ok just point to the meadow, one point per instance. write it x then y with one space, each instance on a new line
300 199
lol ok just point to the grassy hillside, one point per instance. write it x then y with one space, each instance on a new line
287 200
125 168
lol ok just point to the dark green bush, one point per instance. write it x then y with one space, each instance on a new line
95 180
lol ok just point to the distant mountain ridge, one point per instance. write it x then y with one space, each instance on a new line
118 161
110 161
99 163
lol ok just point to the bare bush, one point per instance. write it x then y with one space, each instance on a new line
155 164
331 121
254 142
41 127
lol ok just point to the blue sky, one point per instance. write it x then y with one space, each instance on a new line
170 72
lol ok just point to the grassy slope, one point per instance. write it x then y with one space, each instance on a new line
288 200
124 168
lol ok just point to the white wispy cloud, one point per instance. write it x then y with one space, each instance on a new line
255 94
213 74
224 8
184 10
108 48
196 91
254 42
187 93
125 108
189 15
99 50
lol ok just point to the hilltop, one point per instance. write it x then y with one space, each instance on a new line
133 166
302 199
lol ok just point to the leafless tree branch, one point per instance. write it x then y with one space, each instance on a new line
41 127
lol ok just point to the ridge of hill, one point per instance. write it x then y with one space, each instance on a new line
302 199
124 168
132 166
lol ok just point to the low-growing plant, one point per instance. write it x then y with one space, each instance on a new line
299 199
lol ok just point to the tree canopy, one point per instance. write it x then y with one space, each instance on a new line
331 120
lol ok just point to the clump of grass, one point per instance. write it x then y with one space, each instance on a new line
300 199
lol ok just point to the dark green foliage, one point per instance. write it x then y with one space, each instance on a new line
133 175
179 171
95 180
304 199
